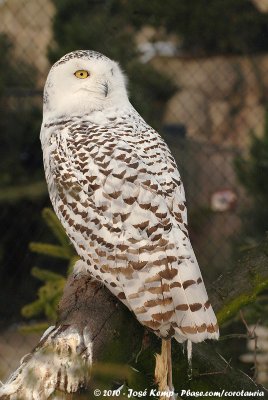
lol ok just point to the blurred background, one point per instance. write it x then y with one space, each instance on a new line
198 73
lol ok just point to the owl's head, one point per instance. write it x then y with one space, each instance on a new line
81 82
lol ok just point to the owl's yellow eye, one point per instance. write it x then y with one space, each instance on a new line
81 74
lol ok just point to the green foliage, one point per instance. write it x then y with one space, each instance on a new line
13 194
252 172
258 311
103 26
48 295
57 229
53 283
231 309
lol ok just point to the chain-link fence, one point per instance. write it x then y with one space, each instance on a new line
208 116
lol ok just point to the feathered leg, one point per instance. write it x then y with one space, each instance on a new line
163 369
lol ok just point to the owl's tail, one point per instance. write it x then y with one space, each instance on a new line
163 371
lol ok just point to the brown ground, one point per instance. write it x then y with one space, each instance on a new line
13 346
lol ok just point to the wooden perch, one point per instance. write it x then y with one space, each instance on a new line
92 323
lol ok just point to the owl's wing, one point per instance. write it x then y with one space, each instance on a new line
122 205
198 320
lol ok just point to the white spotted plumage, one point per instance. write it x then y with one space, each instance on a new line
117 191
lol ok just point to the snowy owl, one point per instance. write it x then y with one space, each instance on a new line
117 191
